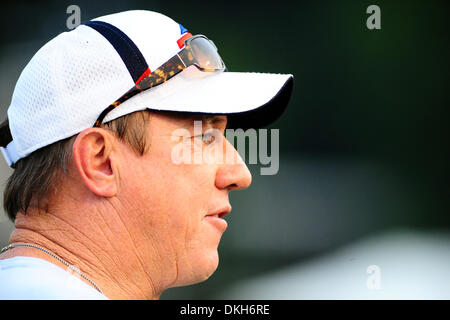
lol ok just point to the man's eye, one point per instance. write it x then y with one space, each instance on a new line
209 138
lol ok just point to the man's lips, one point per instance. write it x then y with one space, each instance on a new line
215 217
220 213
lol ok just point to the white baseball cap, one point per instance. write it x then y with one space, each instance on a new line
74 77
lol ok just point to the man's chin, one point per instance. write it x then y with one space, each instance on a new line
202 269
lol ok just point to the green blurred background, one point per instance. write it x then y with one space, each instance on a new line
363 147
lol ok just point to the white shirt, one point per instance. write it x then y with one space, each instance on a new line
27 278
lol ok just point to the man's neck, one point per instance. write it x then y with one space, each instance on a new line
119 274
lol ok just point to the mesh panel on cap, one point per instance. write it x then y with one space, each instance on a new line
64 88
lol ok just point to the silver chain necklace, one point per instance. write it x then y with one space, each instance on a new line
71 267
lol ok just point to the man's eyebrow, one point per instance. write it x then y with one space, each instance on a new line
208 119
213 119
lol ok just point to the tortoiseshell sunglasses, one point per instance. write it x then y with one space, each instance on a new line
198 50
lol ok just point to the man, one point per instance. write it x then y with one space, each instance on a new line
101 209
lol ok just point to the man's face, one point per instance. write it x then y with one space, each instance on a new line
171 206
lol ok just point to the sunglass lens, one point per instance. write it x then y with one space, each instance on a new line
206 54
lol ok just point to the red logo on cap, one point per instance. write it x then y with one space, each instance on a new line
182 39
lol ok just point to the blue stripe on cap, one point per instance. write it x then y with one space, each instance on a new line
125 47
182 29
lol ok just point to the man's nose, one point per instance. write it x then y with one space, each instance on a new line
233 175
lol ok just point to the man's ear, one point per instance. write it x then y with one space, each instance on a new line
92 155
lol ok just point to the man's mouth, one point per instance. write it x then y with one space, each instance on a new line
220 213
215 217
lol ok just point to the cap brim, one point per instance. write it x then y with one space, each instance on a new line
251 100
